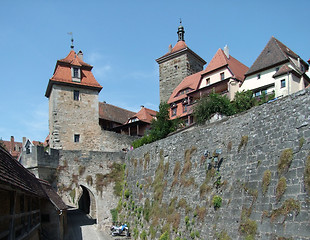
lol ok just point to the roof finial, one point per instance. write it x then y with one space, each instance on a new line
181 32
72 46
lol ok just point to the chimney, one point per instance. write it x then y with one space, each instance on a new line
24 140
142 106
226 51
12 144
80 55
170 48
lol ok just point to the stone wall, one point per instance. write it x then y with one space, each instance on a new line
257 193
68 117
92 170
174 70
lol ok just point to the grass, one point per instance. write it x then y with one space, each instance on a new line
89 180
243 142
81 170
266 181
222 236
280 189
201 213
285 161
288 206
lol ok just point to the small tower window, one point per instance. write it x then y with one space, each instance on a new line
222 76
76 138
76 74
76 95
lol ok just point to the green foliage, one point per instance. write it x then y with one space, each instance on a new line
147 210
285 161
127 193
266 181
143 235
222 236
217 201
243 101
114 214
164 236
135 233
161 126
301 142
152 232
280 189
72 195
213 103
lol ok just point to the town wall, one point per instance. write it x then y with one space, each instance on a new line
174 178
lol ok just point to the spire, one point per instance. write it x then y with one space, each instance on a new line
72 46
181 32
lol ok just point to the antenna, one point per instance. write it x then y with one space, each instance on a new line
72 46
180 21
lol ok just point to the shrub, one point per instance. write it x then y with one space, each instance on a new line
160 127
243 101
114 214
127 193
217 201
213 103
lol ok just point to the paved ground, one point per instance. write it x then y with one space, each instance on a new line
82 227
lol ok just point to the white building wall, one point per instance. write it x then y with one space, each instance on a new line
215 77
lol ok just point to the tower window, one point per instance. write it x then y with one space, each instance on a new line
222 76
173 111
76 74
76 95
283 83
76 138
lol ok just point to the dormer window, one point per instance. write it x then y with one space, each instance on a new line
76 74
222 76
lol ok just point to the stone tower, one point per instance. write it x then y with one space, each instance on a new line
177 64
73 105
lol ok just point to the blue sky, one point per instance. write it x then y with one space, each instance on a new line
122 39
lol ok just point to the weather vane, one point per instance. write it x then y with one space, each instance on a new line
70 33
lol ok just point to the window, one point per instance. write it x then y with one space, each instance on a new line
76 74
173 111
283 83
76 95
184 108
258 76
257 94
222 76
76 138
207 81
277 69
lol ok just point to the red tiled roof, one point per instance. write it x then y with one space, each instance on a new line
10 147
14 175
191 82
219 60
145 115
63 75
112 113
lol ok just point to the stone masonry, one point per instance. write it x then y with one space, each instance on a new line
174 68
68 117
248 145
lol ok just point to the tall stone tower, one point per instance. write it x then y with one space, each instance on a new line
177 64
73 105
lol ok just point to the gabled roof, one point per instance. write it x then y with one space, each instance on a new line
15 176
115 114
284 70
220 60
62 74
191 82
274 53
145 115
52 195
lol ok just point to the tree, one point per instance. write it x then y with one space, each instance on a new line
243 101
213 103
160 127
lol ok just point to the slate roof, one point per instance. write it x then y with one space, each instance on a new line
145 115
14 175
274 53
62 74
52 195
115 114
